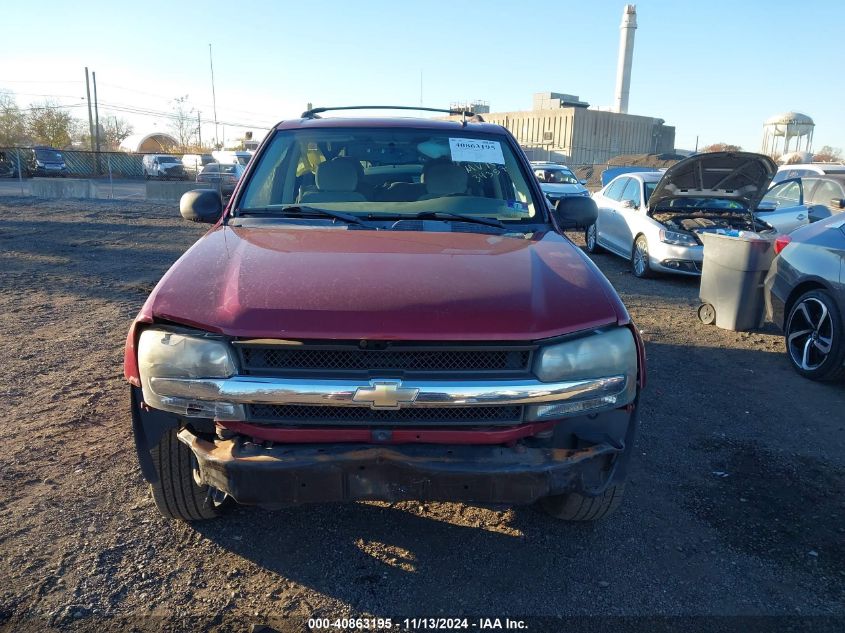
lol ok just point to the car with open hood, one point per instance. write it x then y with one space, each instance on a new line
386 309
655 219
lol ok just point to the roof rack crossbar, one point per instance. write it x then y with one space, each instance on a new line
313 112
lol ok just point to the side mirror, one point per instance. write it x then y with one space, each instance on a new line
576 212
201 205
838 203
767 205
582 182
629 204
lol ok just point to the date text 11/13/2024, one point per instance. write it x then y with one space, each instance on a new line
414 624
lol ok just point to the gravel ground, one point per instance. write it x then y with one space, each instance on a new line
735 503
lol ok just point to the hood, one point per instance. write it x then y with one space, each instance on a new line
742 177
561 187
402 285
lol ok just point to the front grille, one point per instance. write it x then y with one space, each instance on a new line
306 414
258 359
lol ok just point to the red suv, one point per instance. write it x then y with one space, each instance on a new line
386 309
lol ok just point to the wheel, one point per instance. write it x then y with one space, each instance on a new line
707 313
592 240
640 265
177 494
815 341
577 507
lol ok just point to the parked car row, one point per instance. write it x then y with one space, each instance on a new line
655 219
218 168
36 161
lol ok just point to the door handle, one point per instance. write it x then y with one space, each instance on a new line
801 216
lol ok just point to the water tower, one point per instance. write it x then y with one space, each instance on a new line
788 132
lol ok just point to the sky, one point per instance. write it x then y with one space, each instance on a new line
715 70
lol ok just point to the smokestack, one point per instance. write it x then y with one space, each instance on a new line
626 56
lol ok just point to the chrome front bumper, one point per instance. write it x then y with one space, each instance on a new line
417 393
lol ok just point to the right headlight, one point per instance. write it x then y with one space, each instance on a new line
165 354
607 354
677 239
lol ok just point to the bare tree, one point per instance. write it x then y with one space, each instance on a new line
114 131
828 154
184 123
721 147
12 121
50 124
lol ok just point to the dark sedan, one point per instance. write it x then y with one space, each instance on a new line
222 177
805 297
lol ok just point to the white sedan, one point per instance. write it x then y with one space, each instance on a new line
655 219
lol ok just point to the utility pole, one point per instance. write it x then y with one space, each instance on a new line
90 116
96 120
199 129
213 96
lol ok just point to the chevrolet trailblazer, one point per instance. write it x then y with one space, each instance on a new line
386 309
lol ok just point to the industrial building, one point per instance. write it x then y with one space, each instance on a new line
562 128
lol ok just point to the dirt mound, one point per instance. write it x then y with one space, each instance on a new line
592 173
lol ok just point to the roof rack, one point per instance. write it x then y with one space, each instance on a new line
314 113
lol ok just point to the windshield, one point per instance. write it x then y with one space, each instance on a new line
391 172
48 155
558 177
649 189
168 159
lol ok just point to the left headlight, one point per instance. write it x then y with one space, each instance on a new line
163 354
677 239
609 354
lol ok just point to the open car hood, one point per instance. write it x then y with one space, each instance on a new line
742 177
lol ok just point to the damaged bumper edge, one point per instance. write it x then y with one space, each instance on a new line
292 474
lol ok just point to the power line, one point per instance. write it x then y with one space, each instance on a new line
129 109
164 98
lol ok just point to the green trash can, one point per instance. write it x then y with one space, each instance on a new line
732 277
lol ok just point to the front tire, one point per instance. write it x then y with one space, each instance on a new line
577 507
640 262
814 336
177 494
591 239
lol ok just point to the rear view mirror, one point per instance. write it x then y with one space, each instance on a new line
201 205
838 203
576 212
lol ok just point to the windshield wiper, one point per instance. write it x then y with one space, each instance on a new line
436 215
303 211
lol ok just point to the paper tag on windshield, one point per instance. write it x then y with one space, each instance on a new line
473 150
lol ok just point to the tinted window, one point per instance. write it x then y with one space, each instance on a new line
784 194
825 191
210 169
561 176
615 189
48 155
649 189
632 191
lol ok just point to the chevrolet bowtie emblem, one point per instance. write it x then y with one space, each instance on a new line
385 394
